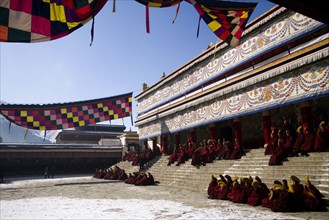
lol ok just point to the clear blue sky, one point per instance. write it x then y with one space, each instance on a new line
122 57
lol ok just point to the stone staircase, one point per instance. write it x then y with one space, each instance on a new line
316 166
254 163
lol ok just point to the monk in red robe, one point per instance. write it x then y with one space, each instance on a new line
299 140
312 196
322 138
278 150
297 197
174 156
288 144
260 191
308 144
273 194
237 152
273 142
235 188
246 191
212 188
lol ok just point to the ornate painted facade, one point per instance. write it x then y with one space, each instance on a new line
283 59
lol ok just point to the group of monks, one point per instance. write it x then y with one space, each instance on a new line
285 142
206 152
116 173
141 157
112 173
282 197
140 179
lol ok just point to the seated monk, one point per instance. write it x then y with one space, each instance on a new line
246 191
278 151
130 179
273 194
223 190
140 179
260 191
182 155
322 138
313 198
219 150
235 188
283 202
196 157
288 144
204 153
122 175
237 151
211 151
212 191
273 142
151 179
299 140
228 149
308 144
174 156
297 195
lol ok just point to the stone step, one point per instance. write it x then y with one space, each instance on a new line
254 163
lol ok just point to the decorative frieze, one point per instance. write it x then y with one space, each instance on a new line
257 95
288 27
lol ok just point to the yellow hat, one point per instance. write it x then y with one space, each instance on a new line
255 184
221 183
277 187
307 180
295 179
258 179
246 180
299 129
236 184
277 182
290 189
222 178
228 177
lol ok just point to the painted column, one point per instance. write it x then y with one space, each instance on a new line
177 139
193 135
306 114
266 126
154 143
164 144
237 133
212 131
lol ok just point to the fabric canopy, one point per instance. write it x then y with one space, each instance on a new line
68 115
44 20
226 19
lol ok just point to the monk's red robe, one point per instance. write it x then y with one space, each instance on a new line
211 188
223 192
308 144
300 137
322 140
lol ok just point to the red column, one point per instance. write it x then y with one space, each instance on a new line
266 127
306 115
237 134
193 135
212 131
154 143
164 144
177 139
145 144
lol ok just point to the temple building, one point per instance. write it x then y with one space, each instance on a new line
82 149
279 71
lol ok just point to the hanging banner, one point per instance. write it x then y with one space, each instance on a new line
68 115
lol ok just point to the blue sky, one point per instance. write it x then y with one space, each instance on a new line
121 58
